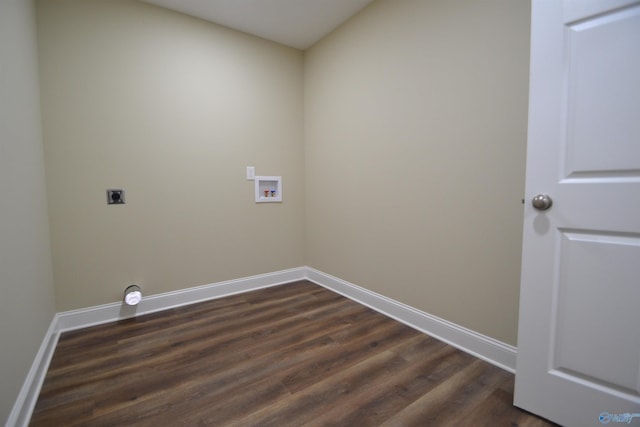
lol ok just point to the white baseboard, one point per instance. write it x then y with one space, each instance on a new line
481 346
28 396
77 319
484 347
92 316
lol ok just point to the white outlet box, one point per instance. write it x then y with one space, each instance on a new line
268 189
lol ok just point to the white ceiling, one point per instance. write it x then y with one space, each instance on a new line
295 23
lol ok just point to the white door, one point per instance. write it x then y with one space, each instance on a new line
579 332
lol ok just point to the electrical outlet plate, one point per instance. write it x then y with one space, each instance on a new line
251 173
115 197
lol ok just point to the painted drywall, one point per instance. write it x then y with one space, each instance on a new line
171 109
412 166
415 133
26 280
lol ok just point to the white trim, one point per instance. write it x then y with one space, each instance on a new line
97 315
28 396
91 316
486 348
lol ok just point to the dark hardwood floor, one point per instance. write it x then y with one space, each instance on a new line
291 355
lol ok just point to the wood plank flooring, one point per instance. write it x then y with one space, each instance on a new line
292 355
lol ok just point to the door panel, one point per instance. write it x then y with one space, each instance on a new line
593 268
598 122
579 330
574 10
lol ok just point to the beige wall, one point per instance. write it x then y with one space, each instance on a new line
172 109
415 131
413 163
26 280
414 119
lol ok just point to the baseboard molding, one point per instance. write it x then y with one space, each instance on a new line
481 346
484 347
92 316
28 396
83 318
